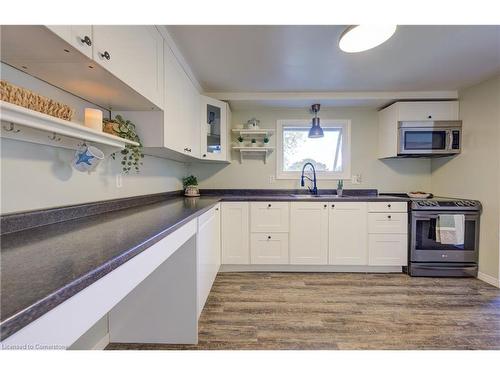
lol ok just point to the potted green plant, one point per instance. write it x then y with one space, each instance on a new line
266 141
254 142
240 141
131 155
340 187
190 184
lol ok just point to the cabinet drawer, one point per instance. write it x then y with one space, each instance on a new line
269 248
387 207
387 249
428 111
269 216
387 222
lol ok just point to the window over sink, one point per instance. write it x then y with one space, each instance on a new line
330 155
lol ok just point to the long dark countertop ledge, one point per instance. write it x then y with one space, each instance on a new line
43 266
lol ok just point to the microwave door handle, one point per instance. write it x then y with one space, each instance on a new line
449 137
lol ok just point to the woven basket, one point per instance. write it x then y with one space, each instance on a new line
28 99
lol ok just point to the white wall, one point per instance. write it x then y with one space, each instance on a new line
388 176
475 173
36 176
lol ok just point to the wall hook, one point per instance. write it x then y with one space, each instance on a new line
54 137
11 128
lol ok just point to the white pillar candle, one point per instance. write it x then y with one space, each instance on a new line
93 119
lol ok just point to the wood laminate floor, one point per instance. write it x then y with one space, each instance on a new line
345 311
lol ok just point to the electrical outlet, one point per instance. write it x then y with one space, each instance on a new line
356 179
119 180
272 179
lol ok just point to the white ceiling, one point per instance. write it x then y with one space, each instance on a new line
307 58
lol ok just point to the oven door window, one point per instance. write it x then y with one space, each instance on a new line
425 140
425 236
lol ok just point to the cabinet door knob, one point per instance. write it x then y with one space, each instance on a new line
106 55
325 205
86 40
389 205
429 116
268 237
389 216
269 205
333 206
217 209
204 155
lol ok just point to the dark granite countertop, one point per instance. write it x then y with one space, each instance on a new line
43 266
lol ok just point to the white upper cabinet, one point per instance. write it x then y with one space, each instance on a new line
389 117
309 233
348 243
134 54
79 36
215 116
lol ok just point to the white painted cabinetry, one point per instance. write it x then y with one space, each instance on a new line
269 248
134 54
388 234
409 111
235 233
209 252
269 216
348 235
215 120
309 233
79 36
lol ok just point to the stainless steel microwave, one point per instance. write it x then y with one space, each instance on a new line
429 138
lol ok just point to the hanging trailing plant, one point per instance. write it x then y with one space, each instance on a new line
131 155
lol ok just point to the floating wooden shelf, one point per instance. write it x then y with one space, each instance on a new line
265 151
24 124
253 132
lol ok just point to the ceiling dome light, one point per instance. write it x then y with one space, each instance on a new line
364 37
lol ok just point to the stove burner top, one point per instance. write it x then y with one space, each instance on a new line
441 203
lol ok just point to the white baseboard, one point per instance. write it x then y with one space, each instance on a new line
102 343
488 279
306 268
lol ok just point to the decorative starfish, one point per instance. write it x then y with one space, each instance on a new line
84 158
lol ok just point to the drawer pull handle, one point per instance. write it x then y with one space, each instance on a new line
269 205
389 216
333 206
106 55
86 40
325 205
389 205
268 237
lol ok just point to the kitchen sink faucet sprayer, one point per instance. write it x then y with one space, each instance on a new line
314 190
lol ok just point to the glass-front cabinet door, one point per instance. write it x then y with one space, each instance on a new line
214 123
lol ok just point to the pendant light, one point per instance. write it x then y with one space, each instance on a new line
315 131
364 37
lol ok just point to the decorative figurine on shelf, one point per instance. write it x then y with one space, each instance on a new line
240 141
190 184
266 141
87 158
253 123
254 142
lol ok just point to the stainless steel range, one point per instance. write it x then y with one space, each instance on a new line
428 255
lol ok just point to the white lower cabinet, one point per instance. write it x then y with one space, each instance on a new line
387 249
209 253
309 233
348 242
269 248
269 217
235 233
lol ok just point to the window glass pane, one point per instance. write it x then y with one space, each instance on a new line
324 153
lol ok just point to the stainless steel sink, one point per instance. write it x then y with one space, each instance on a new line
319 196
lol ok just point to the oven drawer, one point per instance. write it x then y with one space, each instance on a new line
387 207
465 256
443 269
392 222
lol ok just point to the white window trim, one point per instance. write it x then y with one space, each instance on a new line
346 147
